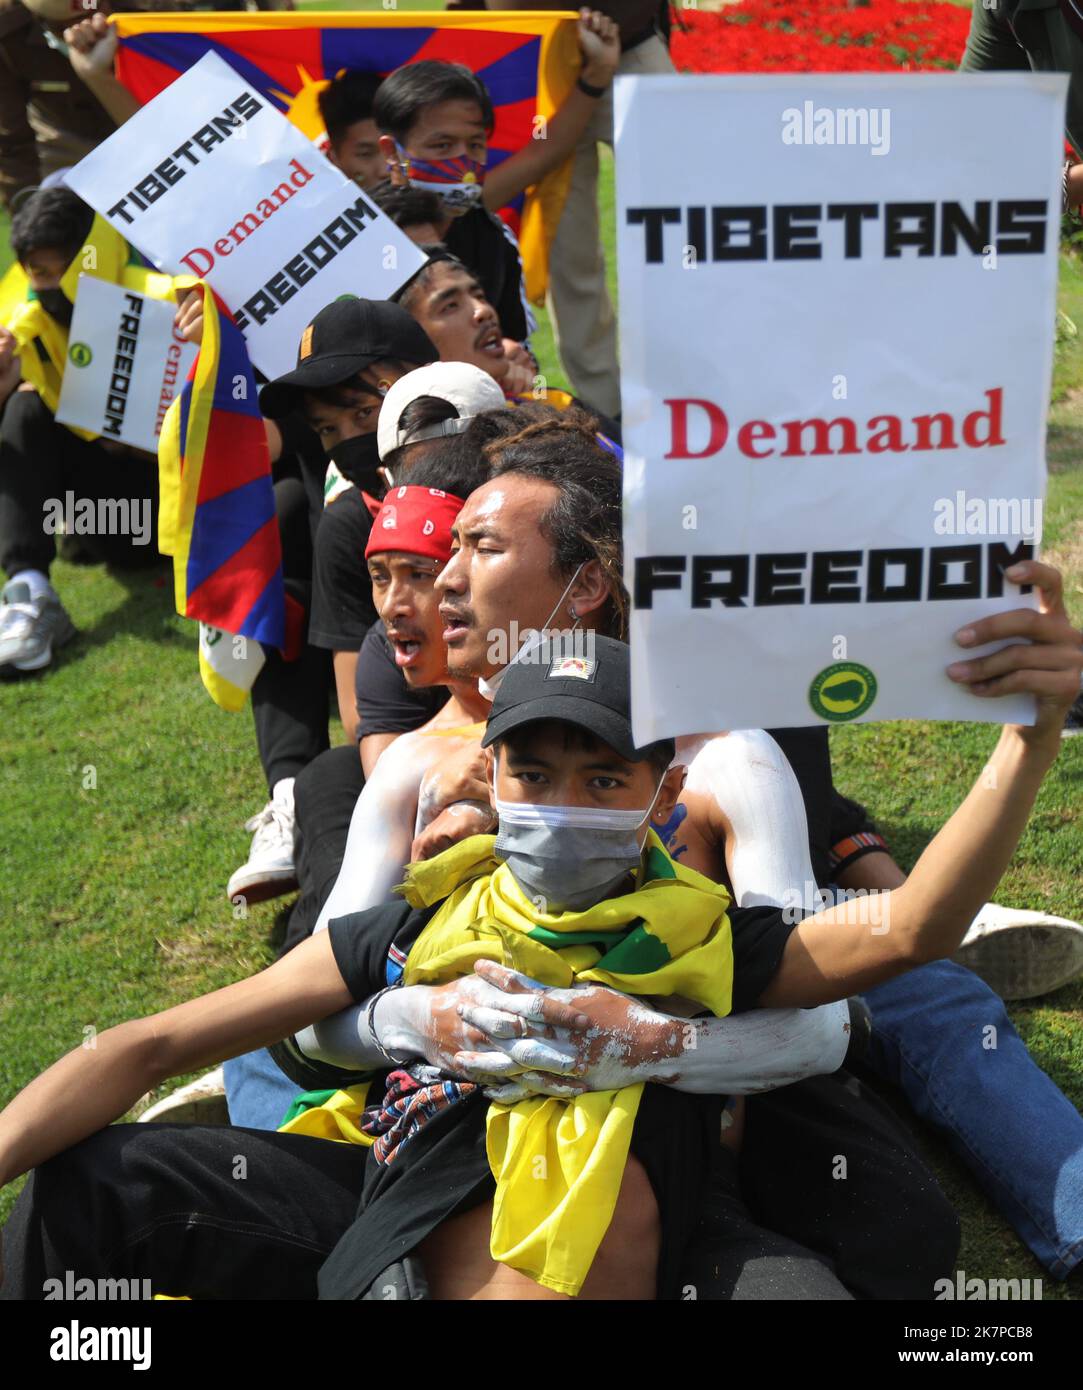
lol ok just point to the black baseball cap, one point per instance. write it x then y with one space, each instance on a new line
581 678
342 340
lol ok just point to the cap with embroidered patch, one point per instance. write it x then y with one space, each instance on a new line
343 339
580 678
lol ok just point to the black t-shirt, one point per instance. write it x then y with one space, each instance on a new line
342 607
385 703
302 457
480 242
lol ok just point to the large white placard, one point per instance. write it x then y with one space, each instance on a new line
209 179
126 362
836 347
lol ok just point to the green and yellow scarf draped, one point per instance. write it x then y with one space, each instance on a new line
42 342
558 1163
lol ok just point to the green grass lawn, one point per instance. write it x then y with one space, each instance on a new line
123 792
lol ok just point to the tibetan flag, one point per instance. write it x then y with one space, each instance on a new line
528 60
217 512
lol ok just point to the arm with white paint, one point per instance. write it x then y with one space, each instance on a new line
751 781
381 829
377 850
625 1041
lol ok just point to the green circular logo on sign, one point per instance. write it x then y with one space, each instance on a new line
80 354
842 691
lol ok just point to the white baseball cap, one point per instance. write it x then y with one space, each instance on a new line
467 388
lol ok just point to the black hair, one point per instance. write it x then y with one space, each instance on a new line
421 412
408 206
456 463
347 99
451 464
409 89
584 522
408 294
52 219
339 393
658 755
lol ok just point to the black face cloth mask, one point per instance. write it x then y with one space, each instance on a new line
358 459
57 305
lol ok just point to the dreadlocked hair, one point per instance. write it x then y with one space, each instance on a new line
584 522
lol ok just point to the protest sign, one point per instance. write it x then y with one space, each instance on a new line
125 364
210 180
836 350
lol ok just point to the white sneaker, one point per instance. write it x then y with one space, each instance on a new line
1021 954
201 1102
269 871
30 627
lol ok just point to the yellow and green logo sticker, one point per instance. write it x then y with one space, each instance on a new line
842 691
80 355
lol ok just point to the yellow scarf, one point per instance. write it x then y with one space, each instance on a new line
105 255
558 1164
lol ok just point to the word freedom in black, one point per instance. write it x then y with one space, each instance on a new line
306 264
792 232
116 403
900 575
163 176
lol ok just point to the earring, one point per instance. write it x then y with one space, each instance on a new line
573 615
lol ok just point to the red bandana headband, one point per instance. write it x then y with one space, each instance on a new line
416 521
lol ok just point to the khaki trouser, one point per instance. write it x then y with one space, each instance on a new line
583 321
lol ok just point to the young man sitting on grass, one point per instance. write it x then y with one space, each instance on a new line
162 1202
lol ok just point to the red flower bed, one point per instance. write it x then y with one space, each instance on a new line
821 36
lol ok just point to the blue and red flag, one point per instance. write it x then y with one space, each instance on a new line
527 60
217 514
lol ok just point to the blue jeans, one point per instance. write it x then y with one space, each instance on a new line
257 1092
1023 1140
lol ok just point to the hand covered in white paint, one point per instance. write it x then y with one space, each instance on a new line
622 1041
437 1022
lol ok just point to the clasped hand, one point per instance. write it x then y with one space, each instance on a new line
517 1037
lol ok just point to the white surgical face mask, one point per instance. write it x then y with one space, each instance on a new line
532 638
568 857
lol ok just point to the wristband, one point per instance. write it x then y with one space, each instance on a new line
854 847
590 91
370 1020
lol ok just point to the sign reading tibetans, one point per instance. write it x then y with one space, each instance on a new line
210 180
836 354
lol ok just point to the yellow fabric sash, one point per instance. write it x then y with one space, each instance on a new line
558 1163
